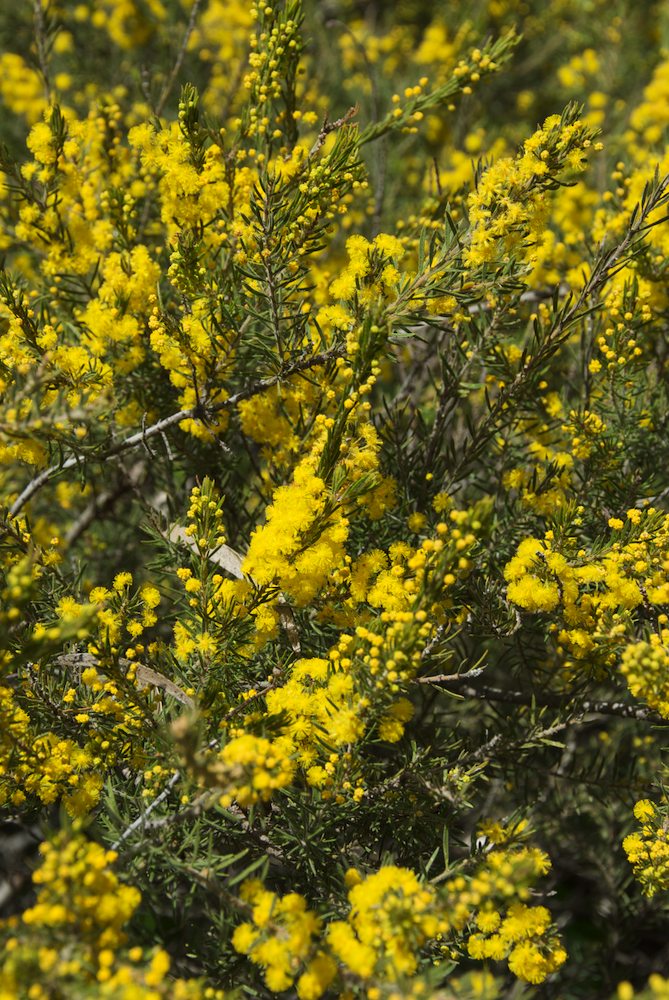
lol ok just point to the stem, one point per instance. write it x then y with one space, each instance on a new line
195 413
618 708
181 54
42 46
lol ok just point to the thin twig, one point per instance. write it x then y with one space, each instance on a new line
141 820
103 502
191 811
41 44
199 804
488 749
439 679
194 413
131 442
618 708
327 127
181 54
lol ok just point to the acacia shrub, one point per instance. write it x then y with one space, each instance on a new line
334 543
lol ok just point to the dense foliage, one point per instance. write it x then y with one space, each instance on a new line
334 549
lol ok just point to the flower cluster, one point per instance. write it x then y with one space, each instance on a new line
72 939
645 667
280 938
283 553
519 936
392 915
648 850
508 207
394 920
595 594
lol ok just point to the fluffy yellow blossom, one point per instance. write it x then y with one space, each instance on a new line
279 939
279 552
648 849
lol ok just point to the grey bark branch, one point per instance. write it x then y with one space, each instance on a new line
194 413
547 700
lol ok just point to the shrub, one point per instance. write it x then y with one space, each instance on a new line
335 544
